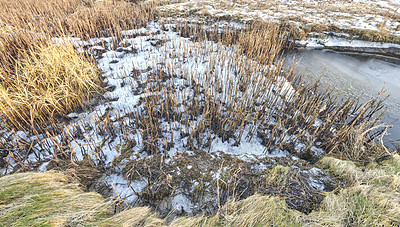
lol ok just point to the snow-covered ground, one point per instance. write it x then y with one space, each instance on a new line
332 41
376 15
396 2
128 67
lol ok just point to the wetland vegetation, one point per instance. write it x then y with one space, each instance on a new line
137 115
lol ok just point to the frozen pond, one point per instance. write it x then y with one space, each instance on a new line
357 74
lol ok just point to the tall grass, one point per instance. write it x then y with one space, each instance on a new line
46 83
30 22
40 80
78 18
52 80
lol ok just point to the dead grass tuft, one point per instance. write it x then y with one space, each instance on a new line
30 199
371 198
138 216
256 210
49 82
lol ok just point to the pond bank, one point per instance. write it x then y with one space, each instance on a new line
363 75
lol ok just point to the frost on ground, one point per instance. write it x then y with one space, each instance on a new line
343 44
170 101
332 41
319 15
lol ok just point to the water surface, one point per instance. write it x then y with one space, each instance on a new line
357 74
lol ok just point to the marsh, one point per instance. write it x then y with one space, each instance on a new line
362 75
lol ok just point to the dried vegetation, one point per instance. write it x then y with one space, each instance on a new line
375 21
370 199
243 94
46 84
41 80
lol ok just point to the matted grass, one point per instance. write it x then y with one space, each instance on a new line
48 199
53 199
372 198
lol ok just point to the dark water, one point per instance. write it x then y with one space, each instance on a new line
357 74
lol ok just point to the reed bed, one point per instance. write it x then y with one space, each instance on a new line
31 24
78 18
238 96
246 101
43 74
197 87
29 30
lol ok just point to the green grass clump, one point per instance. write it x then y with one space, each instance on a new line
352 207
346 171
48 199
353 174
277 176
372 197
363 205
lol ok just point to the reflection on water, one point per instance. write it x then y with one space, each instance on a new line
356 74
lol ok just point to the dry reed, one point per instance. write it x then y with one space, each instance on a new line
245 93
46 84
